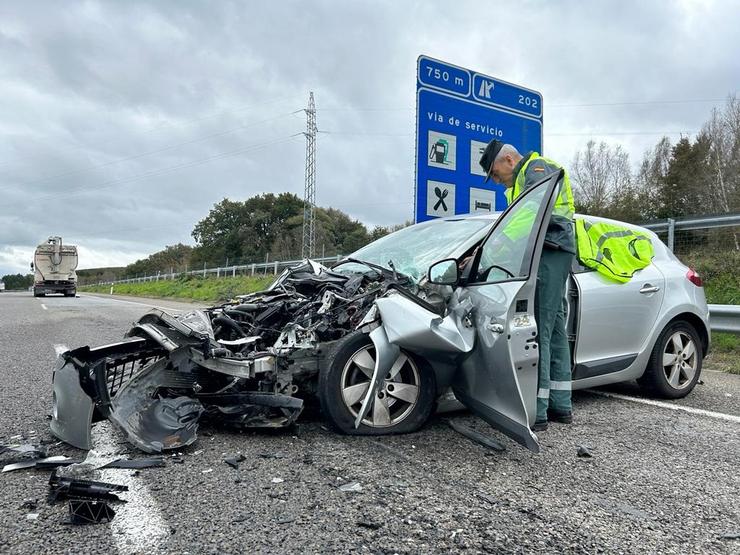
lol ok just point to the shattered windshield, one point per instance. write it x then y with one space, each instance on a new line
413 249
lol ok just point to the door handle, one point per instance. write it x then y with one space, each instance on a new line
649 288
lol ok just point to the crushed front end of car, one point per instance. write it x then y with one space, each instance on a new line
249 363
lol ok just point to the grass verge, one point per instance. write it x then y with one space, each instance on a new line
725 352
194 288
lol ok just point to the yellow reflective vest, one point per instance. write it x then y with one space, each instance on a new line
564 205
615 251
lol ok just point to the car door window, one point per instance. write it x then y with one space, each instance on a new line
507 252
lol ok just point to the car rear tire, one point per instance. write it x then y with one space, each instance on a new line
404 401
675 363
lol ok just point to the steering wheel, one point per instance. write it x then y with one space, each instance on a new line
484 274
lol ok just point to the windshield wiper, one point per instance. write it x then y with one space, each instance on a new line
374 266
392 267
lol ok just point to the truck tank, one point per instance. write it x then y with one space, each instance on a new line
54 268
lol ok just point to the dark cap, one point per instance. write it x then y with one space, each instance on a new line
489 155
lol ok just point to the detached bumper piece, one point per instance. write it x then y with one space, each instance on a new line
157 384
87 500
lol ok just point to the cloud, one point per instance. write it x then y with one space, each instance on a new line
124 122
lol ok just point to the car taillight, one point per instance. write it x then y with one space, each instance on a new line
693 277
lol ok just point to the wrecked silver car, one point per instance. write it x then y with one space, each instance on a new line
382 338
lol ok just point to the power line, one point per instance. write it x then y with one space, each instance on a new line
565 105
160 171
637 103
626 133
556 134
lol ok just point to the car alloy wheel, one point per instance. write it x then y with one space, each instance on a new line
680 360
398 393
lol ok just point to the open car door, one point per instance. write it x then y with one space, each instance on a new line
497 380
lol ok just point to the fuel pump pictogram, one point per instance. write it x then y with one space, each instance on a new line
440 151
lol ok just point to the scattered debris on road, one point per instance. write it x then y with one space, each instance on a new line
74 488
151 462
234 460
351 487
476 436
584 452
87 511
25 449
238 364
46 463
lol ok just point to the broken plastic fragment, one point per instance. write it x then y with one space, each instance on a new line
351 486
135 463
36 451
476 436
65 488
234 460
584 451
85 511
277 480
47 463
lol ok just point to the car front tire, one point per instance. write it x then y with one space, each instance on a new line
675 364
405 399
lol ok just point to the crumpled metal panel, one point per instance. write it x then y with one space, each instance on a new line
385 355
413 327
72 408
151 423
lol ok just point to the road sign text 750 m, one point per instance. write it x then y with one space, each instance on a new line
443 76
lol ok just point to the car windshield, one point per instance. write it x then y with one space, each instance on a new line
413 249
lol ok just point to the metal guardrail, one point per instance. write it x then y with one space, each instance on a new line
724 318
670 226
224 271
703 222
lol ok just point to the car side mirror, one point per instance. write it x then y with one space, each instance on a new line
32 265
444 272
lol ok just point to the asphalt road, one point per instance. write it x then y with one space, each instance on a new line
659 481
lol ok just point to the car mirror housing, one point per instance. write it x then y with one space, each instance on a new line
444 272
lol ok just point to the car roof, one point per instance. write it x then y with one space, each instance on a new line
493 216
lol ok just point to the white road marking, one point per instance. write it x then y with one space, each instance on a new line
138 526
670 406
195 307
44 306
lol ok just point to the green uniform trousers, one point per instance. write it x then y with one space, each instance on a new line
554 372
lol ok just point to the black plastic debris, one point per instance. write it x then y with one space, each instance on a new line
71 488
234 460
88 511
43 464
150 462
484 440
370 524
30 504
584 452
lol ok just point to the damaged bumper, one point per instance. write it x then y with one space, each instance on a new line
158 385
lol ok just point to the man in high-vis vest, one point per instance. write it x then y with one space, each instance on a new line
503 163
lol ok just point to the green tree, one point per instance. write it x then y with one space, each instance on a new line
17 281
175 257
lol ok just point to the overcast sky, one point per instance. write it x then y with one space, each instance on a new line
122 123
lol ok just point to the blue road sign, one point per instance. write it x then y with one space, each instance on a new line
458 111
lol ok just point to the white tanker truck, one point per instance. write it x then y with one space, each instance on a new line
54 268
